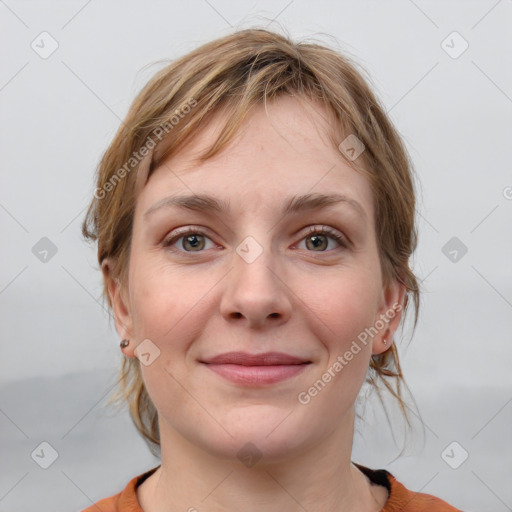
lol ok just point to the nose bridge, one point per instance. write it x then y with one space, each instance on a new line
255 291
255 262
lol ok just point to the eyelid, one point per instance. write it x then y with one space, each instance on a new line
184 231
336 235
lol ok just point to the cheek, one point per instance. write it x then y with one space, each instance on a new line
167 312
345 304
160 295
170 307
341 312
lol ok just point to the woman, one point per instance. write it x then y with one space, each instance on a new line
255 217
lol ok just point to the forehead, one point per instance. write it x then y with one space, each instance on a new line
281 150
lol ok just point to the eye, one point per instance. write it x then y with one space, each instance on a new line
318 238
193 240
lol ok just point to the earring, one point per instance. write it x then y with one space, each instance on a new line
124 343
385 341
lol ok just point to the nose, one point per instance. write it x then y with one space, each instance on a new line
256 292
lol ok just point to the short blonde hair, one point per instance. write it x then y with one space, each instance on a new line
236 73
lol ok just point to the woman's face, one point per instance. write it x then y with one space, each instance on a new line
256 277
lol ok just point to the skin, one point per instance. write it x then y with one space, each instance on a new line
305 300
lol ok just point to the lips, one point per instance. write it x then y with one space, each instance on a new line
265 359
256 370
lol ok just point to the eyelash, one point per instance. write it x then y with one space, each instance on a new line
314 230
326 231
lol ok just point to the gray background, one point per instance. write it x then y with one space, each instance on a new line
59 350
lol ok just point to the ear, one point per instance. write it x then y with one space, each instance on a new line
389 313
120 306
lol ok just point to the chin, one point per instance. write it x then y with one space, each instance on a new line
261 435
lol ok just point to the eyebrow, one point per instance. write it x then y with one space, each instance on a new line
294 204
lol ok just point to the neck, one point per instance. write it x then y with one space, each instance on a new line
319 478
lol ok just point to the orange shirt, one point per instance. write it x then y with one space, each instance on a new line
400 499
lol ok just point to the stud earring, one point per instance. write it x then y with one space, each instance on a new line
385 341
124 343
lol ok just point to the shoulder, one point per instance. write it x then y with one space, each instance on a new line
401 499
126 500
105 505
